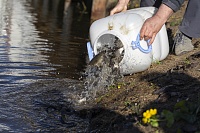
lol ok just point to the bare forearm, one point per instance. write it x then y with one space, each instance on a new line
163 13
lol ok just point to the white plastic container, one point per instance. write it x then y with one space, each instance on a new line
138 55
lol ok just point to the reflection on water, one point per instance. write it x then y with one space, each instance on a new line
39 39
66 32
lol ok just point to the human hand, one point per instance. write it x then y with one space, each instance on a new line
121 6
153 25
150 28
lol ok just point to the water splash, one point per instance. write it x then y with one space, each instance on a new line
103 70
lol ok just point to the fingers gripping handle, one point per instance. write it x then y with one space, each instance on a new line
136 44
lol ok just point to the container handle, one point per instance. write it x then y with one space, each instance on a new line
90 51
136 44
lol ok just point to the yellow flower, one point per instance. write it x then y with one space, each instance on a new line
144 114
147 114
145 120
147 111
119 86
153 111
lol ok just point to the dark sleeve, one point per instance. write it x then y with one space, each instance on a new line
173 4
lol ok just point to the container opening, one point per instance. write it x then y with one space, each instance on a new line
112 46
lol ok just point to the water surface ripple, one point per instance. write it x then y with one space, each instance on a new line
42 48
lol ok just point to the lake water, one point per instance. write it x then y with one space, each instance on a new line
39 40
42 54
